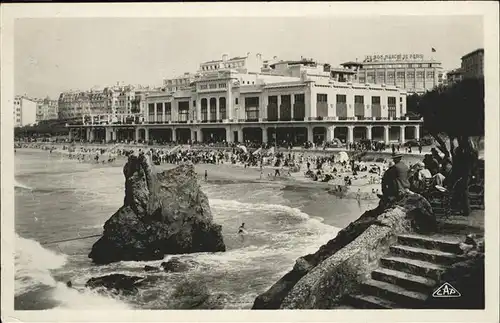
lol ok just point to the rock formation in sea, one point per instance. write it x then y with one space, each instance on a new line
162 213
320 280
117 283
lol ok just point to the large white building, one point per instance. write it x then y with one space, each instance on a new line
24 111
250 99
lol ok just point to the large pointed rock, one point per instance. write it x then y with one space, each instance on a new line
162 213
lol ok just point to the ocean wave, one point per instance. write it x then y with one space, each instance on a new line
244 206
86 299
20 185
33 266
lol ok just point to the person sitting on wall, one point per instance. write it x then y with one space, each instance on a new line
395 183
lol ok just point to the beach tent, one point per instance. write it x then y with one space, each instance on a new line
243 148
342 156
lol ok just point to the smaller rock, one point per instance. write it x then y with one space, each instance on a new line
151 268
116 283
174 265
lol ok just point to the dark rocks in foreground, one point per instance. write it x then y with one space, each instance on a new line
117 283
319 280
163 213
174 265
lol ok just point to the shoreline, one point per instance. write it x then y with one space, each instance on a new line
226 172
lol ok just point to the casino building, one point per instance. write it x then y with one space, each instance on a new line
249 99
412 72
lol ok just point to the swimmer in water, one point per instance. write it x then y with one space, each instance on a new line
242 232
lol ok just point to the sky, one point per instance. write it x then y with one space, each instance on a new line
52 55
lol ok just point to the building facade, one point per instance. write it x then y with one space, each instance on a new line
473 64
24 111
412 72
454 76
178 83
46 109
290 102
113 101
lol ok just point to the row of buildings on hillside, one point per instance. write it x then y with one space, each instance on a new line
247 98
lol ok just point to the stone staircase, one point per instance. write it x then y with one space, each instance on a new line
408 275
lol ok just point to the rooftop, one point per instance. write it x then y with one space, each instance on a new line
477 51
455 71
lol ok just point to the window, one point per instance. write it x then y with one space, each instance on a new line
322 97
222 108
420 75
299 108
390 75
222 85
341 98
168 111
400 75
430 75
236 101
391 103
194 103
183 111
272 108
204 110
410 75
286 108
203 87
359 106
213 85
252 108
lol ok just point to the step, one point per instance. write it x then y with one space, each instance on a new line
370 302
451 245
413 266
434 256
401 296
405 280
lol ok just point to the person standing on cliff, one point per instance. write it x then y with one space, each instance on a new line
206 175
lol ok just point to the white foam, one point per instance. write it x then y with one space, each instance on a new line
19 185
33 264
241 206
70 298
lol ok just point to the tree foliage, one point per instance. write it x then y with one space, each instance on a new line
457 111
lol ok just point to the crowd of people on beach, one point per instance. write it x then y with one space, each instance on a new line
341 169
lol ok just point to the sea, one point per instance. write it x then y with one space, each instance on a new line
57 198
